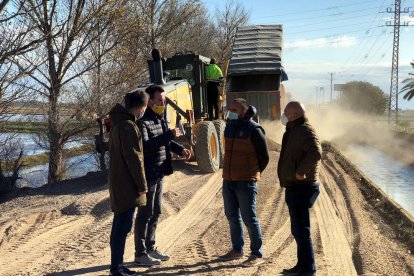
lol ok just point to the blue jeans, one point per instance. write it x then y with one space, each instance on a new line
121 226
240 203
299 200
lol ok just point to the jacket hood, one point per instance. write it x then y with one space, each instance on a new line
119 113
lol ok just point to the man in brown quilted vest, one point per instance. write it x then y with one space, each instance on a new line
246 156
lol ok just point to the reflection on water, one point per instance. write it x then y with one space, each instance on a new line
27 117
30 147
78 166
392 176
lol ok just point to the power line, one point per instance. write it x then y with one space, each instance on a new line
334 20
317 10
330 28
358 49
333 42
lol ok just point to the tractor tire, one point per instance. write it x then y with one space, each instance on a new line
220 125
207 147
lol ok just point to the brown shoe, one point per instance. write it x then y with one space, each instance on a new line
231 255
252 261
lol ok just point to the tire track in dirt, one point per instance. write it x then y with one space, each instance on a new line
336 247
19 232
94 237
169 229
270 214
40 247
348 216
173 227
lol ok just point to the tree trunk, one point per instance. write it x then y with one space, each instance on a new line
55 146
102 164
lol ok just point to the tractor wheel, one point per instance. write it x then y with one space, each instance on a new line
220 125
207 147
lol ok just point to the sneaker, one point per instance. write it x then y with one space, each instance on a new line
122 271
231 255
253 260
159 255
146 260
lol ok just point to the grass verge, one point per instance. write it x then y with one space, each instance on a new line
43 158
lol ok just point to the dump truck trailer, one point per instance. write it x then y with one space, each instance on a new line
255 71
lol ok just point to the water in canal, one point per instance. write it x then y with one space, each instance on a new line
393 176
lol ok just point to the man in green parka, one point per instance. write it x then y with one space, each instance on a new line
214 76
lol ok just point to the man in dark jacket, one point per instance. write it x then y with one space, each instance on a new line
127 184
158 145
298 172
245 158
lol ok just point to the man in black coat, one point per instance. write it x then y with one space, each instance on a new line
158 145
298 172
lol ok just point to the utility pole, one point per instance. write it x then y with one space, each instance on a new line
331 85
323 94
393 100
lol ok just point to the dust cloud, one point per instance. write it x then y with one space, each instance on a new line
344 128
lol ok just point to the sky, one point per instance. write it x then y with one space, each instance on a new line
350 39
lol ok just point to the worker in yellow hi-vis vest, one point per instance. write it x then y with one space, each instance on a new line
214 77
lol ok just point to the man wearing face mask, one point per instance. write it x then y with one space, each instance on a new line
158 145
245 158
298 172
127 184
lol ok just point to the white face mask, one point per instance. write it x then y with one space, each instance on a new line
283 119
232 115
141 115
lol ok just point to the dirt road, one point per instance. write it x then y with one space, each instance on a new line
65 230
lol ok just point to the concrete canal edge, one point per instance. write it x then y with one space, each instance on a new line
395 215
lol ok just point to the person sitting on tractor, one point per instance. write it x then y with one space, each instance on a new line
214 76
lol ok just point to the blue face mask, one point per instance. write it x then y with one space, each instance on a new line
232 116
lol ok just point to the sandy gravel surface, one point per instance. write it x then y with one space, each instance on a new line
64 230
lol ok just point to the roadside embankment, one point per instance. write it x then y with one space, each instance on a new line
396 216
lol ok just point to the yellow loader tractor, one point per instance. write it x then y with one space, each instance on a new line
183 79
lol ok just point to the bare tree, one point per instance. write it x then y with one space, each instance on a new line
61 60
16 38
9 171
229 19
197 35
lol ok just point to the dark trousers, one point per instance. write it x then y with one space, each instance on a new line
299 200
147 219
121 226
240 203
212 100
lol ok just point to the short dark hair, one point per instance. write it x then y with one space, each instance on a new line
136 99
152 89
212 61
242 102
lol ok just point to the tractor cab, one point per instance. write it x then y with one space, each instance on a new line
189 67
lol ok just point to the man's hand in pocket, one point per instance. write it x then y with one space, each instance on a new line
300 177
